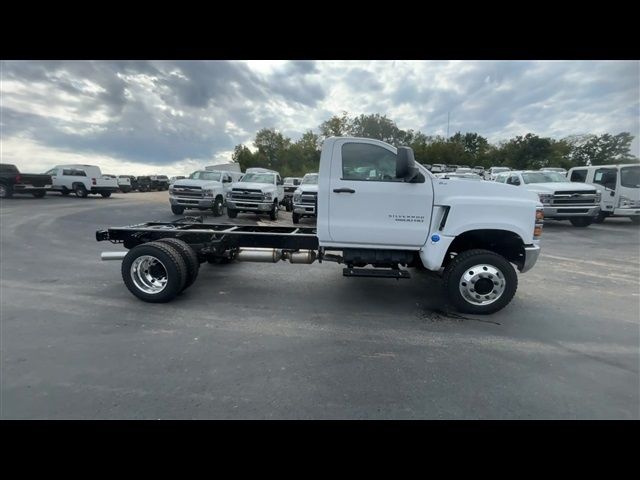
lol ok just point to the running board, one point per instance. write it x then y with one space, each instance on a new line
375 272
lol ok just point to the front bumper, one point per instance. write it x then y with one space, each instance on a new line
531 254
191 202
626 212
247 206
304 209
571 211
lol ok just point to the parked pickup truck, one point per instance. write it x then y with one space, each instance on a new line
203 190
305 198
259 191
290 186
562 200
376 207
12 182
83 180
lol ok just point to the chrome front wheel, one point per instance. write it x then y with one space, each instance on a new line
482 284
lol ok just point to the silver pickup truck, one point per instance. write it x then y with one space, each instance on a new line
305 198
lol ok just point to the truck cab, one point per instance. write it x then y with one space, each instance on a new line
305 198
562 200
620 185
259 191
203 190
83 180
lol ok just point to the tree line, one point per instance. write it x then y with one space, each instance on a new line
280 153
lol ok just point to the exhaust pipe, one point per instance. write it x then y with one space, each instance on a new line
268 255
301 256
273 255
104 256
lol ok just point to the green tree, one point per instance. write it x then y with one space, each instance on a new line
336 126
271 146
379 127
601 149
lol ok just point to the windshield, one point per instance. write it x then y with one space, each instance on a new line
205 175
258 178
499 169
630 177
543 177
310 179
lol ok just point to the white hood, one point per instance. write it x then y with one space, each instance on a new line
551 187
307 188
188 182
263 187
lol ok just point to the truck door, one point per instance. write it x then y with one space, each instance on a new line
368 205
629 186
606 179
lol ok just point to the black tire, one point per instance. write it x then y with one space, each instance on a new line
288 207
218 207
80 191
232 213
295 217
175 271
177 210
460 265
273 214
105 194
600 218
5 191
635 220
188 255
581 221
39 193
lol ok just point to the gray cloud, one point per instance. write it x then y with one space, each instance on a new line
158 112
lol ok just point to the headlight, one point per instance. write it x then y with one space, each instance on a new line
207 193
297 197
170 187
545 198
267 196
228 194
598 196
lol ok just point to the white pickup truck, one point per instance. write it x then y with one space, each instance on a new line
305 198
83 180
259 191
376 207
562 200
203 190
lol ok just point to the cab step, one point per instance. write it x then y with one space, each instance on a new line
375 272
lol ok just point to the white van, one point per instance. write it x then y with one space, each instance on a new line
621 196
83 180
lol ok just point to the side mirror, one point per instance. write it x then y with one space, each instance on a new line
226 180
612 193
406 165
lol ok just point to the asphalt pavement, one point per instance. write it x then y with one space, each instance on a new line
282 341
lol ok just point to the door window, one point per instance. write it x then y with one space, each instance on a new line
606 177
630 177
363 161
513 180
579 175
72 172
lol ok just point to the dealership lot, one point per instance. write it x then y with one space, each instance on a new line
294 341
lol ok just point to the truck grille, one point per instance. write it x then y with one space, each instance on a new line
188 191
290 189
309 198
242 194
574 198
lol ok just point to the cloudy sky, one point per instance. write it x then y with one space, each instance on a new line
135 117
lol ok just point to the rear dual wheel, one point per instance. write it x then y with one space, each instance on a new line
157 271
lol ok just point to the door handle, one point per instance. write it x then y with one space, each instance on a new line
344 190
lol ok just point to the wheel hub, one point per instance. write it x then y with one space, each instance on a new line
482 284
149 274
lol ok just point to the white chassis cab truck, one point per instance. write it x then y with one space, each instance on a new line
377 208
259 191
305 198
203 190
621 184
